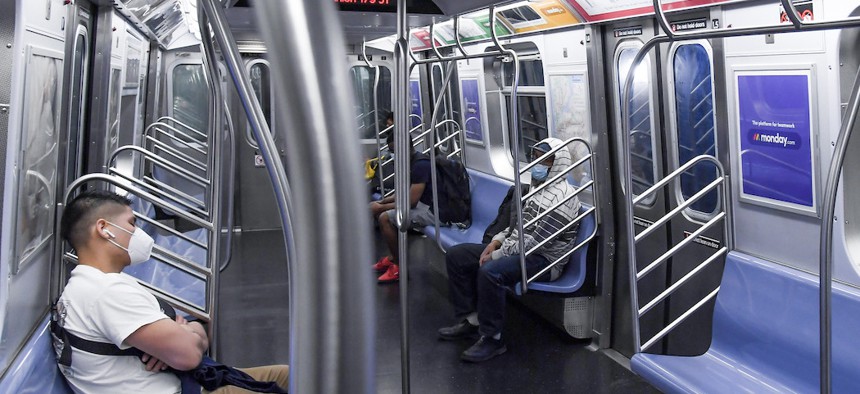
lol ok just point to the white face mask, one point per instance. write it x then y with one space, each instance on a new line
139 246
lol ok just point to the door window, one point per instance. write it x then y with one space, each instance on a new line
638 112
695 122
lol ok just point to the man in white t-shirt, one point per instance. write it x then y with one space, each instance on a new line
102 305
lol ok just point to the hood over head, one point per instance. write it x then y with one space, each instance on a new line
561 158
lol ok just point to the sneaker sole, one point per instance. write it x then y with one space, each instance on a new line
499 352
386 282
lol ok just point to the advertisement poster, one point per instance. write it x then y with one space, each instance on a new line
776 146
472 110
415 116
569 100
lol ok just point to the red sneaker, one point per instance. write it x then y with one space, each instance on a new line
383 264
391 275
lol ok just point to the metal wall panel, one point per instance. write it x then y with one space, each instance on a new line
7 33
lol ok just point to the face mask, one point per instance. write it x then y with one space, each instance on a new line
540 172
139 246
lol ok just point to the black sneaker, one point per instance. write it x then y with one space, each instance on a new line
483 350
461 330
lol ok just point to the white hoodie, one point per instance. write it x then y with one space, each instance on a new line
547 226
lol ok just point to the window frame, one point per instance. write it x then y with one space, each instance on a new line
635 45
674 137
249 136
171 96
522 91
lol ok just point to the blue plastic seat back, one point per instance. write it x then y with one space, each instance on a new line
35 369
575 271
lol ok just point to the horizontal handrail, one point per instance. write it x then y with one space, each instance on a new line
567 255
680 319
559 232
557 177
680 208
558 204
185 158
168 118
168 188
686 241
158 126
675 174
386 130
179 303
170 230
666 293
447 121
135 181
178 141
552 152
160 161
111 180
181 263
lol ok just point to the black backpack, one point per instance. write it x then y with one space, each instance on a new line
455 196
505 215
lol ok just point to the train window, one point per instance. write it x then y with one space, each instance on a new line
450 108
533 123
362 88
190 96
78 104
531 73
695 122
261 82
115 91
640 120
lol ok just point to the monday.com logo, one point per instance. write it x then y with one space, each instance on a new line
778 139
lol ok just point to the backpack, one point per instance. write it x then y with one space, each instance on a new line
455 196
504 216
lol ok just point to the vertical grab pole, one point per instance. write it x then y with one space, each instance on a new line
376 118
332 324
849 121
216 120
433 177
403 142
514 127
256 119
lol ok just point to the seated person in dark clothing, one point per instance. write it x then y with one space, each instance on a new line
420 214
478 275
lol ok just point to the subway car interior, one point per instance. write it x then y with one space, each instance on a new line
704 146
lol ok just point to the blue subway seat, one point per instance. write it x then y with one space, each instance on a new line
576 270
35 369
487 194
765 336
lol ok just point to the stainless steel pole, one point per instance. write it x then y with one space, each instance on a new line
375 69
332 317
403 142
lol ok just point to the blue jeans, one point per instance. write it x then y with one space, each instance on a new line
473 287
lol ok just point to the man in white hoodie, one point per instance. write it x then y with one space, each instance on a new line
478 275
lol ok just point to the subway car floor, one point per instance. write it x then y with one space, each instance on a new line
541 358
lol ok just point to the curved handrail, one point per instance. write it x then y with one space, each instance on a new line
331 320
189 145
176 153
375 68
433 177
174 120
161 161
457 35
156 125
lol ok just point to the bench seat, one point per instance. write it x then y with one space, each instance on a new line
35 369
488 192
765 336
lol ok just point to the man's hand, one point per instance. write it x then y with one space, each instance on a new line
487 254
153 364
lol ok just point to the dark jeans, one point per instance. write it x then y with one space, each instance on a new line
474 287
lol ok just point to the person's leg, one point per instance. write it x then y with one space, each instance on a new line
461 262
389 232
279 374
494 278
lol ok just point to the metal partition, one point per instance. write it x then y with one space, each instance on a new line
560 177
825 275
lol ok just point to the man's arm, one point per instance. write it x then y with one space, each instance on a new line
180 346
415 192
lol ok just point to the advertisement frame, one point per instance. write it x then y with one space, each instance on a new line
479 86
809 71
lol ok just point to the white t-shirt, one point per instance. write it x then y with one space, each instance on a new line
108 308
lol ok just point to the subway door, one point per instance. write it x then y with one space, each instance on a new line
256 198
365 114
78 50
621 42
692 131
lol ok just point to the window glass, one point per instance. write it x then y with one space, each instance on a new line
694 106
449 109
532 124
262 85
191 97
78 104
531 73
638 113
362 87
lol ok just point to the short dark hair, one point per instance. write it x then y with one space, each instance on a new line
390 117
81 211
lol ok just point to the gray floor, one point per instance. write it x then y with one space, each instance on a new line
540 358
